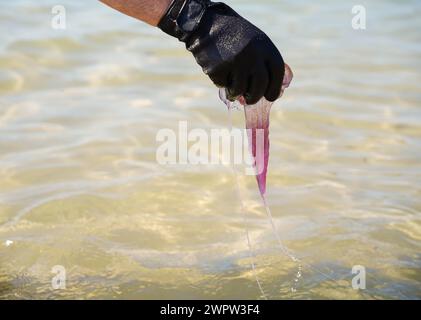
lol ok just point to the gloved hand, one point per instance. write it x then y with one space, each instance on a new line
234 53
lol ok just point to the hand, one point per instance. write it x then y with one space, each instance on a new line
287 79
234 53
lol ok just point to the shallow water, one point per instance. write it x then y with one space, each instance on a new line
80 187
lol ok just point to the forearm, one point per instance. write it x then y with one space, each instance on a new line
149 11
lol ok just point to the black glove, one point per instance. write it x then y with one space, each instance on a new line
234 53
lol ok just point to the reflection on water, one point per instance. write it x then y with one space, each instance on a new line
80 187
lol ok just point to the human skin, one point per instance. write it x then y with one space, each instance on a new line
149 11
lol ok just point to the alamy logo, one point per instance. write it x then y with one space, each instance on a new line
359 21
58 282
217 147
359 280
58 22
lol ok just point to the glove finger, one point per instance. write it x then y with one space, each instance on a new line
276 73
238 85
219 77
258 83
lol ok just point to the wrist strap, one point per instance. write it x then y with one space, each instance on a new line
183 17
